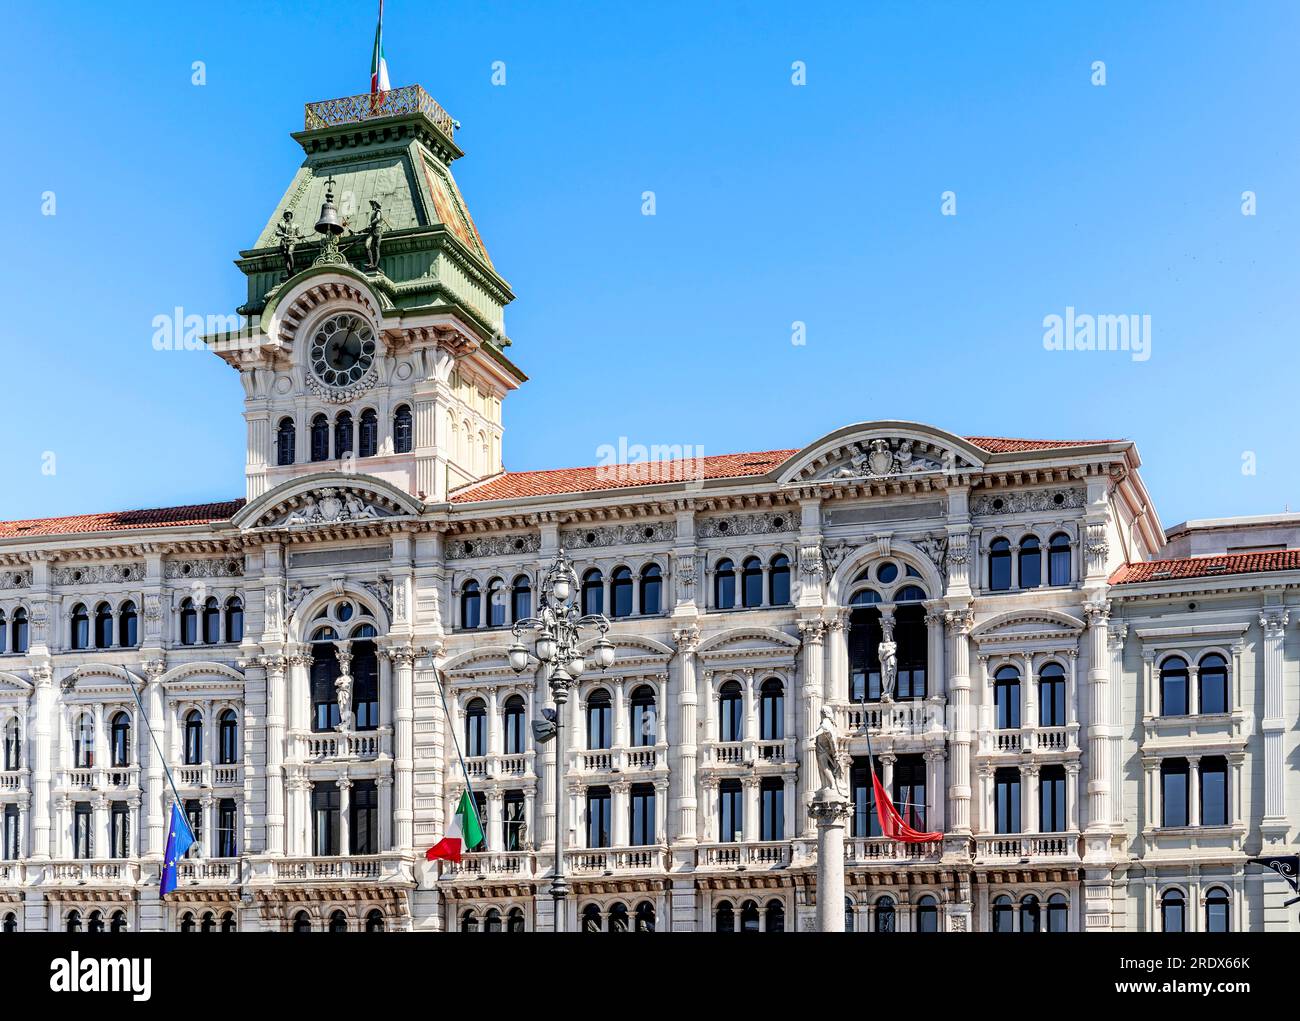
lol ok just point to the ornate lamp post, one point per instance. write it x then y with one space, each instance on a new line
558 628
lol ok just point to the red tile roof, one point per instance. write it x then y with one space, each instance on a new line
515 485
1006 445
157 517
1208 566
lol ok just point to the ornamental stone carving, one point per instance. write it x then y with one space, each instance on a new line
382 590
208 567
493 546
936 548
685 570
882 458
811 564
1027 501
330 505
15 579
98 574
618 535
745 524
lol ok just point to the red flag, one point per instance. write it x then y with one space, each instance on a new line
891 823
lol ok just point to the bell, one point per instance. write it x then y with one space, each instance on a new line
329 222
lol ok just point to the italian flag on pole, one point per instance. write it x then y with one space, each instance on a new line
378 65
465 832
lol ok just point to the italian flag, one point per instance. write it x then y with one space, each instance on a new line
465 832
378 65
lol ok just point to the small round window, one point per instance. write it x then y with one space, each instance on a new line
886 573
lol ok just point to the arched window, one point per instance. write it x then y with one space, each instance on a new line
1003 914
1030 915
724 918
593 592
320 442
188 923
324 671
74 921
771 716
128 626
1006 698
95 922
13 757
778 580
1051 696
228 737
620 592
774 920
285 441
301 922
120 732
402 430
1212 677
1031 562
644 727
600 719
591 918
492 921
11 922
209 923
228 922
850 916
521 599
80 636
515 920
476 745
375 921
865 636
1173 911
724 585
4 631
1058 559
189 623
211 621
999 565
338 922
618 921
342 446
471 603
652 589
234 619
886 916
368 434
731 725
909 594
83 742
645 917
751 582
749 916
193 737
514 722
496 603
1173 687
1058 913
927 914
1216 910
103 626
18 631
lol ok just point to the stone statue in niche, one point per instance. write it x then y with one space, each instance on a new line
888 651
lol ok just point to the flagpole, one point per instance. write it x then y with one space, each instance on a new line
442 693
144 716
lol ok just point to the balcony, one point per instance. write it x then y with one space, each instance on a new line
12 873
881 850
913 717
410 99
94 872
744 855
208 872
12 780
210 776
113 778
488 767
336 745
491 865
611 860
749 752
1024 848
373 868
641 758
1038 739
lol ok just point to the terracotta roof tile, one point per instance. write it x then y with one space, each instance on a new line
516 485
1208 566
1007 445
157 517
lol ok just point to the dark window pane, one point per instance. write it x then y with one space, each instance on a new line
1214 792
1173 792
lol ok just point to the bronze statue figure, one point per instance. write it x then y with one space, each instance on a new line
287 236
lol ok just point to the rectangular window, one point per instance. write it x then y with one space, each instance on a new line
865 821
598 817
325 818
1006 700
512 817
481 807
909 790
1051 799
120 830
227 822
12 845
1051 701
1214 791
1173 792
363 821
194 815
642 827
772 809
82 829
1006 801
731 812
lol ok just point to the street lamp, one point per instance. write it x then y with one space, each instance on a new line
558 627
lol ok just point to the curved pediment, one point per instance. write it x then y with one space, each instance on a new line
634 650
338 287
101 678
1024 627
748 644
327 499
881 450
12 684
201 674
484 661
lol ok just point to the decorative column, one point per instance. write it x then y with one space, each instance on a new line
1273 725
345 815
1105 662
749 829
831 814
934 786
959 624
837 657
403 658
1193 790
275 667
42 772
619 791
683 772
1029 821
661 812
495 836
812 632
385 787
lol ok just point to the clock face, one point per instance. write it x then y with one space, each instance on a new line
342 351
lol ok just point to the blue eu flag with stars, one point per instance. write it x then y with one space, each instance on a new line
179 839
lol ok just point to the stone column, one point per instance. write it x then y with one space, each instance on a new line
42 767
837 657
1105 661
813 632
831 814
385 787
275 667
959 623
750 828
683 771
1273 725
345 814
403 747
619 805
1193 790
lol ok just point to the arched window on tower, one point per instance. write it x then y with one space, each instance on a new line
724 918
724 584
128 626
1003 914
320 439
285 441
778 580
343 434
402 430
368 434
927 914
103 626
80 627
1216 910
338 922
1030 914
1058 913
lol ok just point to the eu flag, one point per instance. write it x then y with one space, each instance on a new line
179 839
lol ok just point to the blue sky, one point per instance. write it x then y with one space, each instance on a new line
776 204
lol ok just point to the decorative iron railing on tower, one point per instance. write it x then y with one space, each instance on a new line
395 103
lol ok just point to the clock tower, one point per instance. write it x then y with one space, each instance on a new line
375 340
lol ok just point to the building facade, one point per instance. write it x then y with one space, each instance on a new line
1102 733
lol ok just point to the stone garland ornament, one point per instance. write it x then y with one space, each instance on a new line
209 567
493 546
98 574
745 524
1028 501
618 535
